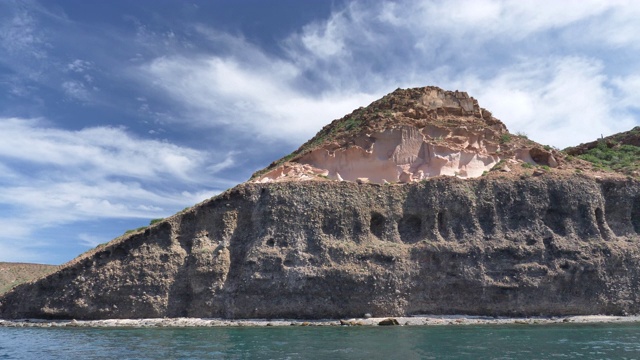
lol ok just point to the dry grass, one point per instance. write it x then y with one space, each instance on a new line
13 274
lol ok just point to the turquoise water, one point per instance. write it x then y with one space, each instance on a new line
597 341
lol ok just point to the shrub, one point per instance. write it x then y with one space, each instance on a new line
135 230
625 158
505 138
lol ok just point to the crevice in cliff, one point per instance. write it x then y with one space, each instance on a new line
555 218
377 224
586 225
602 224
635 215
441 222
410 228
487 218
331 226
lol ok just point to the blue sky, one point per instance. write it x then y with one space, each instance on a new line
113 113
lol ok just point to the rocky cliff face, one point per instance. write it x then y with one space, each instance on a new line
421 203
547 245
409 135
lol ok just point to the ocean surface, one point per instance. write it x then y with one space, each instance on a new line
565 341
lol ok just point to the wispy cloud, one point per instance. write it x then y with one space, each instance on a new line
364 50
20 36
79 66
562 101
101 151
66 176
198 102
262 101
90 240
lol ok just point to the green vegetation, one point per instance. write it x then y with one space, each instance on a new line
527 166
135 230
499 165
153 221
522 135
505 138
624 158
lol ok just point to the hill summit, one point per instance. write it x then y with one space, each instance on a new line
410 135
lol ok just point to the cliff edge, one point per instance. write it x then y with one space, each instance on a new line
516 228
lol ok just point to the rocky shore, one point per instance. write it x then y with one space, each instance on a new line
426 320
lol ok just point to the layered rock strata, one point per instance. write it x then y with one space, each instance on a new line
409 135
547 245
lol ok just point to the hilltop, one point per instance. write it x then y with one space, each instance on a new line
415 134
619 152
14 274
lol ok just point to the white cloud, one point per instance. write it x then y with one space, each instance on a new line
512 19
90 240
629 88
262 100
616 28
562 102
365 50
100 151
564 72
79 66
19 36
76 90
89 174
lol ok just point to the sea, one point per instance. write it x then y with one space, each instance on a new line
558 341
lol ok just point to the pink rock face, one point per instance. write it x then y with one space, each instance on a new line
404 154
409 135
401 154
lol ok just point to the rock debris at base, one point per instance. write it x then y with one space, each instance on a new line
398 321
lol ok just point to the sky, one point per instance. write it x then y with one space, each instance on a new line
113 113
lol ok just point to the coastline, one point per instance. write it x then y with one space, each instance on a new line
422 320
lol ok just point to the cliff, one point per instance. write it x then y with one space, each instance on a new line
545 245
540 234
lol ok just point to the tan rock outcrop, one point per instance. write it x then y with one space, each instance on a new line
409 135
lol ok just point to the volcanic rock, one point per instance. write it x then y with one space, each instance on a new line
303 239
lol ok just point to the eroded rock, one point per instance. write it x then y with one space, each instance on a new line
389 322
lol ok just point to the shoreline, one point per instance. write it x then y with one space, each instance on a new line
421 320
